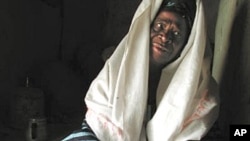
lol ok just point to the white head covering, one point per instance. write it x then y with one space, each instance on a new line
186 102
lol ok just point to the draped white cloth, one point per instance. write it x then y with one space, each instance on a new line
227 12
187 104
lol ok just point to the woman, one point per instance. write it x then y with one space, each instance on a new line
157 84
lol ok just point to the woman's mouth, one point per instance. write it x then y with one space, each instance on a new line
160 47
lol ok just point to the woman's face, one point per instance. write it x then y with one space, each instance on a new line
167 38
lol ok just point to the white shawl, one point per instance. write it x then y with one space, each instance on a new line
186 102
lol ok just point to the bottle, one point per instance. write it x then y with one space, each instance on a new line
36 130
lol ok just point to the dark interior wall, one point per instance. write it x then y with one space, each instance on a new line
27 36
118 15
235 88
58 45
211 12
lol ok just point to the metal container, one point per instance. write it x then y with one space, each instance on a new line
26 103
36 130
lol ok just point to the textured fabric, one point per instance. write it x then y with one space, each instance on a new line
83 134
187 104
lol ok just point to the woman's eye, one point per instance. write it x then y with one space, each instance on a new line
157 27
176 33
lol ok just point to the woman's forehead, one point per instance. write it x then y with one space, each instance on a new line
168 16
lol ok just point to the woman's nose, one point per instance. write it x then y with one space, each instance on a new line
165 37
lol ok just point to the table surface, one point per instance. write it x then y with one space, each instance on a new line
55 131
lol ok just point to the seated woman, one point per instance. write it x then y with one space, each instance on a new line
157 84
